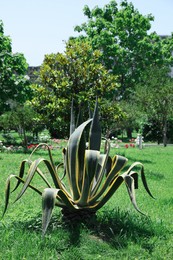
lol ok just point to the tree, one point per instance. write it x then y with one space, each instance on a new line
14 84
126 45
134 118
155 97
22 118
78 75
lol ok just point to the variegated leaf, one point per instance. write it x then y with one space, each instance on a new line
72 158
95 131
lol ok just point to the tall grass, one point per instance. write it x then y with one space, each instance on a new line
118 231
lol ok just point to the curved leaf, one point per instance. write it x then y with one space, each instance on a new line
72 157
48 203
99 174
95 131
130 184
128 172
49 197
145 183
118 165
21 172
101 170
33 170
7 189
49 151
90 168
96 205
72 119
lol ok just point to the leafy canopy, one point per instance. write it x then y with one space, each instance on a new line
154 97
77 74
14 85
122 35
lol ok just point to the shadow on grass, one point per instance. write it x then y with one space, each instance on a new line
143 161
148 173
115 227
133 158
157 176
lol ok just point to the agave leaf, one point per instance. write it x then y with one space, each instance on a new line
129 171
81 157
52 171
101 171
72 119
72 158
119 163
38 171
67 200
95 131
49 151
33 170
48 203
135 176
30 175
7 189
21 172
111 190
57 168
91 163
108 166
64 151
131 190
7 193
145 182
79 117
49 197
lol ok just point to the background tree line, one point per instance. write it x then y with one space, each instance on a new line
115 58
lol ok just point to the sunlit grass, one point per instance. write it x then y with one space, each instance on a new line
118 232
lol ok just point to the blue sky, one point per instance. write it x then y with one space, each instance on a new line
39 27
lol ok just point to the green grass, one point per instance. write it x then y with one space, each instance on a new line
118 232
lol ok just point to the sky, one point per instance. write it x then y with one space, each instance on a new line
39 27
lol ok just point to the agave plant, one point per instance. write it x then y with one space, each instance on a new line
92 177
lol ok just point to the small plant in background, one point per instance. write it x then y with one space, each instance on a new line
9 148
92 177
44 138
1 146
115 142
32 146
8 138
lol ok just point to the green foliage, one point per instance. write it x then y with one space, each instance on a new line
77 74
22 118
92 177
157 91
130 52
153 131
14 84
127 46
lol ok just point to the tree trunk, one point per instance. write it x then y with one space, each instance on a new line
106 142
129 132
165 133
25 141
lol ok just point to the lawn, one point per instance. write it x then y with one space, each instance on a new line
118 231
